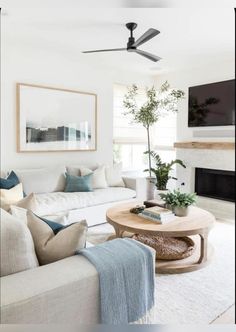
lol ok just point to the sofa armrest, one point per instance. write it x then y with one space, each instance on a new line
62 292
138 184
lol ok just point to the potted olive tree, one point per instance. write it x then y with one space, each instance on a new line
158 103
178 202
162 172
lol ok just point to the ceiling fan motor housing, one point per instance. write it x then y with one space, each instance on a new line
131 26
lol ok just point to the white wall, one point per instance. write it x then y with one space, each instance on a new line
23 62
214 72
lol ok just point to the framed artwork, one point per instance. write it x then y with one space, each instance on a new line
51 119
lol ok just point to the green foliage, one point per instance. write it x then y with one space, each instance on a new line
157 104
162 170
178 199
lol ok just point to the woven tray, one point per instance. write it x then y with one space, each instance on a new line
168 248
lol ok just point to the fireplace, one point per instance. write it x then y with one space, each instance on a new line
214 183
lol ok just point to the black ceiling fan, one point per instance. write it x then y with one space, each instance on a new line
132 44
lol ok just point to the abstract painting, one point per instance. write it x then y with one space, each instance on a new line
52 119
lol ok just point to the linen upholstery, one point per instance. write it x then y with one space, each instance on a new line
11 196
78 183
65 292
114 175
51 203
17 247
29 202
42 180
75 169
98 176
50 247
62 292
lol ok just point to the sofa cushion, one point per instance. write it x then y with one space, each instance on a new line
29 202
51 247
78 183
114 175
9 182
17 247
11 196
98 176
75 169
52 203
42 180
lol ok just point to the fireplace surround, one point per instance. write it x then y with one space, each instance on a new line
215 156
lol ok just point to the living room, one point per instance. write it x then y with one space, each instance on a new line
74 115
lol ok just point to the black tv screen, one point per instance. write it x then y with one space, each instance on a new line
212 104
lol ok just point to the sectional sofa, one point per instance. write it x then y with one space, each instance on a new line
66 291
65 207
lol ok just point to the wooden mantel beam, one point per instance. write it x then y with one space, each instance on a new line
205 145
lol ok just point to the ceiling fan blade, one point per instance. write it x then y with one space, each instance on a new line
148 55
108 50
149 34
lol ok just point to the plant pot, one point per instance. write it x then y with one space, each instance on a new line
157 193
169 207
150 187
180 211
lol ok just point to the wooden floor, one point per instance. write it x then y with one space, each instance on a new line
227 317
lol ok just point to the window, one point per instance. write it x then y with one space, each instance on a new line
130 139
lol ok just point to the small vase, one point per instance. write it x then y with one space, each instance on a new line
180 211
150 187
157 193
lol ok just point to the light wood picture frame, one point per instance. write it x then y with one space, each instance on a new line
52 119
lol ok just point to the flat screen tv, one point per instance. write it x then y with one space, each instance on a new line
212 104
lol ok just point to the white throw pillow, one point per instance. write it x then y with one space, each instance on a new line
42 180
52 247
19 213
75 169
11 196
114 175
17 246
29 203
98 177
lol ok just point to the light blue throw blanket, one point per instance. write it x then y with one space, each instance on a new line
126 275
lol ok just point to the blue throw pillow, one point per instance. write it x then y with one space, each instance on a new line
10 182
78 183
55 226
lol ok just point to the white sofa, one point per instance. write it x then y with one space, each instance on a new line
52 202
64 292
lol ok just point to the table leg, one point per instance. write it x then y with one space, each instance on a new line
118 234
203 247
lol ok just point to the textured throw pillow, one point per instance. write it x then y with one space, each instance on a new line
78 183
75 169
51 246
10 196
10 182
114 175
98 176
17 246
42 180
19 213
29 203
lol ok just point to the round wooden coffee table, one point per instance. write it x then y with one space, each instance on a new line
197 225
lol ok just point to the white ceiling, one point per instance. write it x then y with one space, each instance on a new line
188 38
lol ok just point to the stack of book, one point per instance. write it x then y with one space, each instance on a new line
158 214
